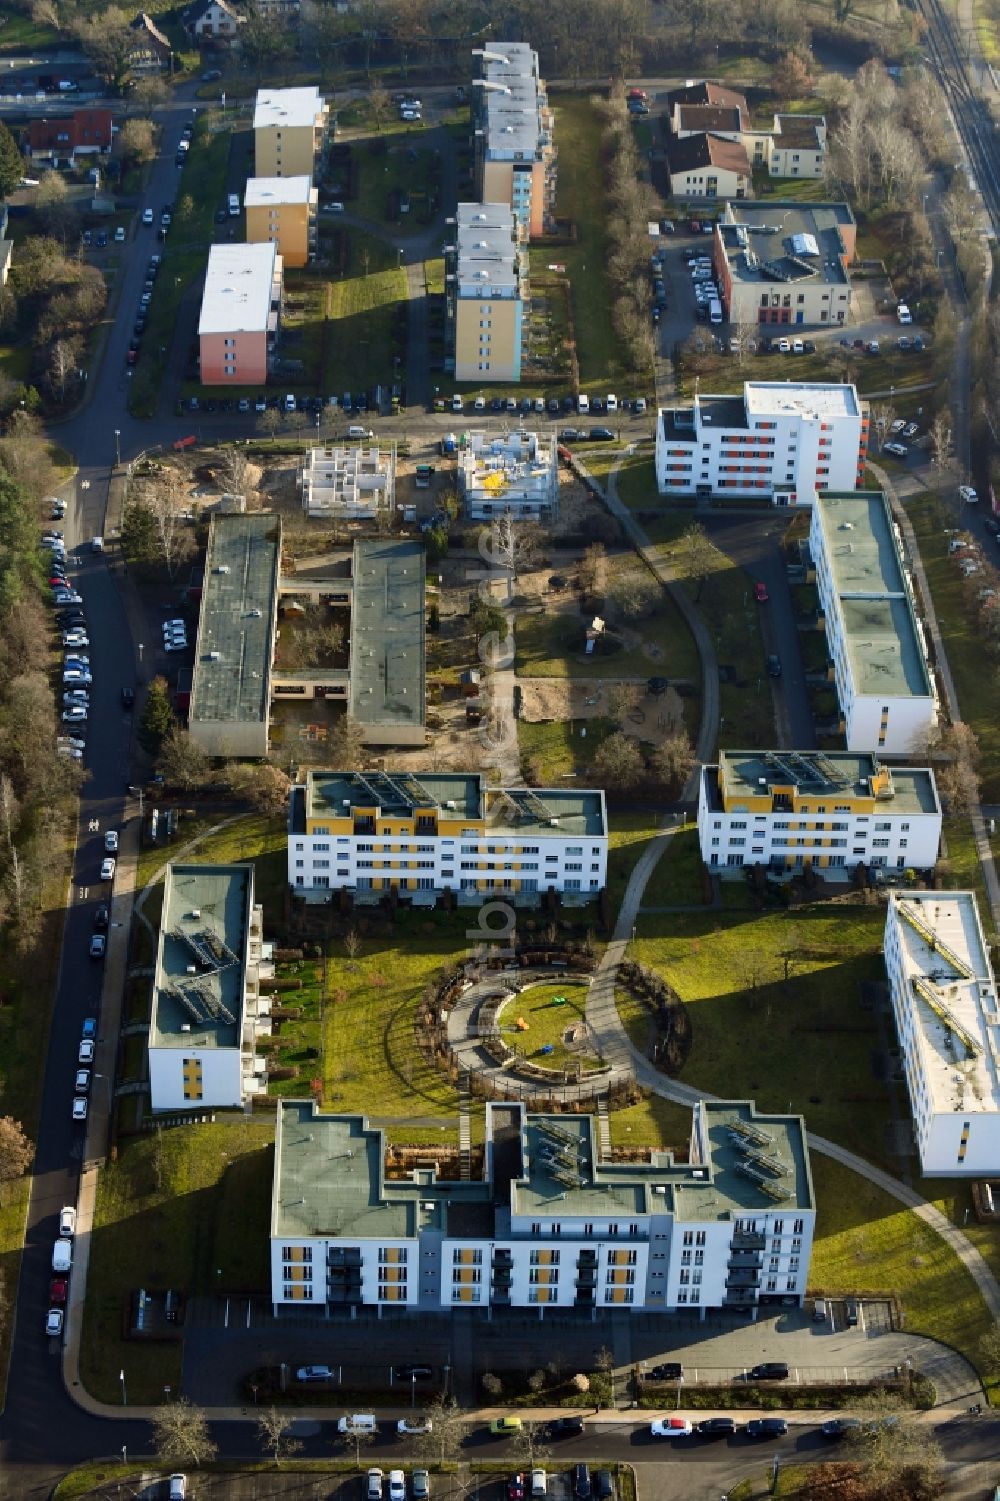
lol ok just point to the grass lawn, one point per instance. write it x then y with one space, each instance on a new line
250 837
677 875
362 308
184 1208
974 674
581 199
637 482
387 170
802 1041
714 372
628 836
22 34
185 256
549 1011
15 361
562 750
654 1122
866 1242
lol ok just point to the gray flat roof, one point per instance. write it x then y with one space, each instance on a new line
201 956
387 633
786 1184
232 668
456 795
867 574
768 229
913 788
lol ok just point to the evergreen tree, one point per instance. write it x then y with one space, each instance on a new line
157 717
11 162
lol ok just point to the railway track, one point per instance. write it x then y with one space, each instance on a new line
971 115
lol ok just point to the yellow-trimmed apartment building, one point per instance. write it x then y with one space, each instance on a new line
282 211
288 130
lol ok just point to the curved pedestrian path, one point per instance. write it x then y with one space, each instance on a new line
617 1049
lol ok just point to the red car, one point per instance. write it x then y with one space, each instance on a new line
516 1488
760 593
132 356
58 1289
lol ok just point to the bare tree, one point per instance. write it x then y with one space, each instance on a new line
347 744
52 203
699 557
264 786
529 1444
269 422
622 699
593 571
9 810
16 1152
672 760
273 1429
634 594
137 141
442 1441
181 1436
882 414
182 761
63 364
940 437
378 106
357 1439
234 470
618 762
897 1456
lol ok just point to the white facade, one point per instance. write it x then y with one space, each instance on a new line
782 441
944 1000
207 1011
349 483
551 1224
516 474
788 809
884 687
385 831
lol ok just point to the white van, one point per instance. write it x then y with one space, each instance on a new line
234 205
358 1422
583 402
357 431
62 1256
715 311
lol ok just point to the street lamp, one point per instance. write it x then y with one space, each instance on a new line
118 446
121 1378
125 1455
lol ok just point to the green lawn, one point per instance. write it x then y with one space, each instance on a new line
562 750
653 1122
363 309
975 676
866 1242
628 836
677 876
804 1041
251 837
385 170
549 1010
637 482
581 199
184 1208
21 33
714 372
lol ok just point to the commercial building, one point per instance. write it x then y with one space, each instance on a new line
514 161
240 314
551 1225
387 661
283 211
289 126
783 440
349 483
708 166
420 836
944 999
785 263
887 699
515 474
229 710
832 810
487 289
207 1011
86 132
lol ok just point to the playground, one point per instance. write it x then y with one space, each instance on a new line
546 1024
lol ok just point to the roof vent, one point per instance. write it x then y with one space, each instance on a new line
185 1026
192 969
195 911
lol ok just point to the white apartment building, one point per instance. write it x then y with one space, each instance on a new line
785 441
885 690
349 483
832 810
551 1225
207 1010
944 999
382 831
516 473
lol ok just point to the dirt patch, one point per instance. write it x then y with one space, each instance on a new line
562 699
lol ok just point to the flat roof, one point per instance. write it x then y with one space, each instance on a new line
957 1031
740 1181
766 398
232 669
237 295
457 796
769 231
198 982
866 570
387 632
511 121
261 192
287 107
907 789
487 253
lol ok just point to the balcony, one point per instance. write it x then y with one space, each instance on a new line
745 1299
745 1261
748 1240
740 1279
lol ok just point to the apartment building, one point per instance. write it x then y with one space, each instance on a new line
229 710
704 165
832 810
888 703
783 440
349 483
551 1225
289 126
944 1000
785 262
515 474
385 831
283 211
487 294
240 314
514 161
795 147
207 1010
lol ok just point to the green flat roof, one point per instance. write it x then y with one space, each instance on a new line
201 956
729 1190
387 633
232 670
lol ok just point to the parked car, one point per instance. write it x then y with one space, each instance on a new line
673 1427
67 1221
411 1427
565 1428
670 1370
837 1428
760 593
898 450
108 868
499 1426
773 665
98 945
420 1485
759 1428
768 1370
54 1322
717 1427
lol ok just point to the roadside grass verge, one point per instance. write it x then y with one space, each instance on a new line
868 1243
975 676
798 1040
184 1208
